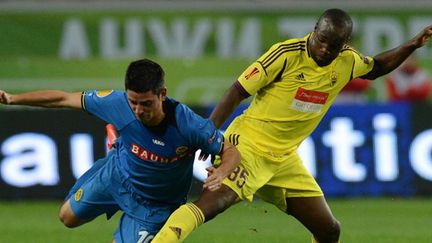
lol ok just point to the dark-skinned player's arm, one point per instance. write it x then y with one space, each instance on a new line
224 109
43 98
389 60
227 105
230 159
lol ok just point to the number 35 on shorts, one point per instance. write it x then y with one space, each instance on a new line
239 176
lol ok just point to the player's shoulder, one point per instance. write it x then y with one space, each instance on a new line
289 47
182 112
105 93
187 119
348 50
348 53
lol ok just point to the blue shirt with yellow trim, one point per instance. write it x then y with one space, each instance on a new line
157 161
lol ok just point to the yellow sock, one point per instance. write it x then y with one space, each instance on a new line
180 224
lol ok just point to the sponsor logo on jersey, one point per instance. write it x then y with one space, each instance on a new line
78 194
147 155
103 93
157 142
309 100
252 74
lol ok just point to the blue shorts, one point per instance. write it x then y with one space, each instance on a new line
107 191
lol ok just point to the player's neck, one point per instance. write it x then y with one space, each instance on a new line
156 120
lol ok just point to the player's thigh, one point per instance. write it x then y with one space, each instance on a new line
252 173
291 179
95 197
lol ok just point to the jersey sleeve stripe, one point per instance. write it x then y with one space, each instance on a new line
83 101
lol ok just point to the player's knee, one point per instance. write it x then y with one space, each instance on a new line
67 218
334 231
330 233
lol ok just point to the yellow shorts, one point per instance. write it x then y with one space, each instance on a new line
273 179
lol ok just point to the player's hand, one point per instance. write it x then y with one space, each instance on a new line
423 37
214 179
4 97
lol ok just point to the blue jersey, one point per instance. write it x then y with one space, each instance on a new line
157 162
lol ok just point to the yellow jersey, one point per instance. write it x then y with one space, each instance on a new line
292 94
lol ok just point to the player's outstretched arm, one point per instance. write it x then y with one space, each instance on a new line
391 59
226 106
43 98
230 159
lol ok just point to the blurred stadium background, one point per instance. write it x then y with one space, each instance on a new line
373 160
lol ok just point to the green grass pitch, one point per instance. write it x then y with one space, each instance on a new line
363 220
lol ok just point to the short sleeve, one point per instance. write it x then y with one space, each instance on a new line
200 132
108 105
362 64
264 71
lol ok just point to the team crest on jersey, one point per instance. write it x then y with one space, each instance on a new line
309 101
333 78
78 194
103 93
252 74
181 150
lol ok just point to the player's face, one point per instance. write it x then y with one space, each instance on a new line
325 44
147 106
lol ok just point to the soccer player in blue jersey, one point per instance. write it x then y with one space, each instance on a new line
148 173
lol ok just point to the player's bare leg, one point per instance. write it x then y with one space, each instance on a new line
68 218
66 215
214 203
315 214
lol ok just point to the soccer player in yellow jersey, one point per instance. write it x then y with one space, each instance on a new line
294 84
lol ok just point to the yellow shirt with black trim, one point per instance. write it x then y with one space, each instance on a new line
292 93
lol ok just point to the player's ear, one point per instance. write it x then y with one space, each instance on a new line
163 93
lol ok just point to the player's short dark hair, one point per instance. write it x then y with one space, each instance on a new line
144 75
339 19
